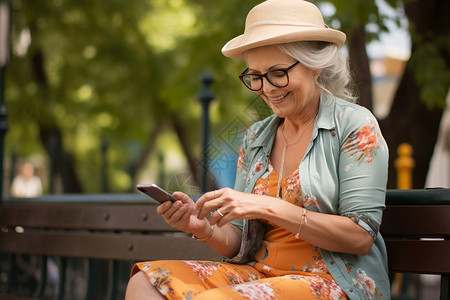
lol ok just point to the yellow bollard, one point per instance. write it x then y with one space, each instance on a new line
404 165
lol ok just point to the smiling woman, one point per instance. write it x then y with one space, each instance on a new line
303 218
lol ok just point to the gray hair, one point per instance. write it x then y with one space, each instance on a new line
335 78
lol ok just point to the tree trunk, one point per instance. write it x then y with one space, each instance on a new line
194 166
136 166
50 135
360 67
410 120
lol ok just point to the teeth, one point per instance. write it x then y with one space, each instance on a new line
278 98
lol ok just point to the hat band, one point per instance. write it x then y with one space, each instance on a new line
284 23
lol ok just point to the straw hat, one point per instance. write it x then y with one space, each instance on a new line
282 21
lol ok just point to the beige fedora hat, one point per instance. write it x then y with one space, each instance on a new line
282 21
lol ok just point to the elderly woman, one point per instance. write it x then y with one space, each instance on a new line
302 220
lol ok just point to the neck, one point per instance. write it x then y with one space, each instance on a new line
299 128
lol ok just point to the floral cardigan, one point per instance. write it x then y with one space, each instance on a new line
343 172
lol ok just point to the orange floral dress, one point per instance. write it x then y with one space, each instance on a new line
284 267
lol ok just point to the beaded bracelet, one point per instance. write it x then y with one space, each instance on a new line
206 237
303 220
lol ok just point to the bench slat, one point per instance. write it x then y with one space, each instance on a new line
419 256
437 196
139 217
416 221
106 245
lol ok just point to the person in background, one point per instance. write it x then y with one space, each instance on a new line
26 184
303 218
439 172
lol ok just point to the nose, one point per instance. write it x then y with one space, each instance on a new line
267 86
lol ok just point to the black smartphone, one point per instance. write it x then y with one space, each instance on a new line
156 192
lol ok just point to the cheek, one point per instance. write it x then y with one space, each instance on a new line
262 95
298 90
303 88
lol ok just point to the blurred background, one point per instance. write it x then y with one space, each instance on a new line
102 95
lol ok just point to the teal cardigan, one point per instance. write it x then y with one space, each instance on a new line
343 172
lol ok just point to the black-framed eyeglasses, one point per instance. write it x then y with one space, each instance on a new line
278 78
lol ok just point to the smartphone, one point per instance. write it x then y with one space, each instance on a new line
156 192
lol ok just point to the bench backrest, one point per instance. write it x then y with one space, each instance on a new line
117 230
416 229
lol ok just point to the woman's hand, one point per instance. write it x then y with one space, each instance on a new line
227 205
180 215
183 215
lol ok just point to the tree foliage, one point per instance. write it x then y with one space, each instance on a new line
119 72
86 76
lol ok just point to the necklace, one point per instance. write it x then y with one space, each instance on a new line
284 150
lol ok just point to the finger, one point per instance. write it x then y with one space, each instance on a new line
172 209
208 202
204 198
183 197
177 216
208 209
221 217
182 217
227 218
216 215
163 207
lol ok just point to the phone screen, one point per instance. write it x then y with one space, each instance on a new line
156 192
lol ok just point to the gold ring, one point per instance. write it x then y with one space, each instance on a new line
215 196
220 213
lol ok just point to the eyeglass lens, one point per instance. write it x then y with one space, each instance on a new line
255 81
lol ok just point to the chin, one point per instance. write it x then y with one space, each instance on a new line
279 113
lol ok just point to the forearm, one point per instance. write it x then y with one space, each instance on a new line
330 232
225 240
336 233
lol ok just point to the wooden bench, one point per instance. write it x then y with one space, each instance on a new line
416 229
107 233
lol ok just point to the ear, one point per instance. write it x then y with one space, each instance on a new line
317 72
316 76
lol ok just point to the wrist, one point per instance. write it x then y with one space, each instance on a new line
205 237
203 231
303 221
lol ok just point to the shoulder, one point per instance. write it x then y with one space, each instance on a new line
351 117
359 132
351 122
336 113
351 112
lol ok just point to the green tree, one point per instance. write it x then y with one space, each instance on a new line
85 76
115 73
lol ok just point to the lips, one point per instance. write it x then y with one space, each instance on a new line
277 99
